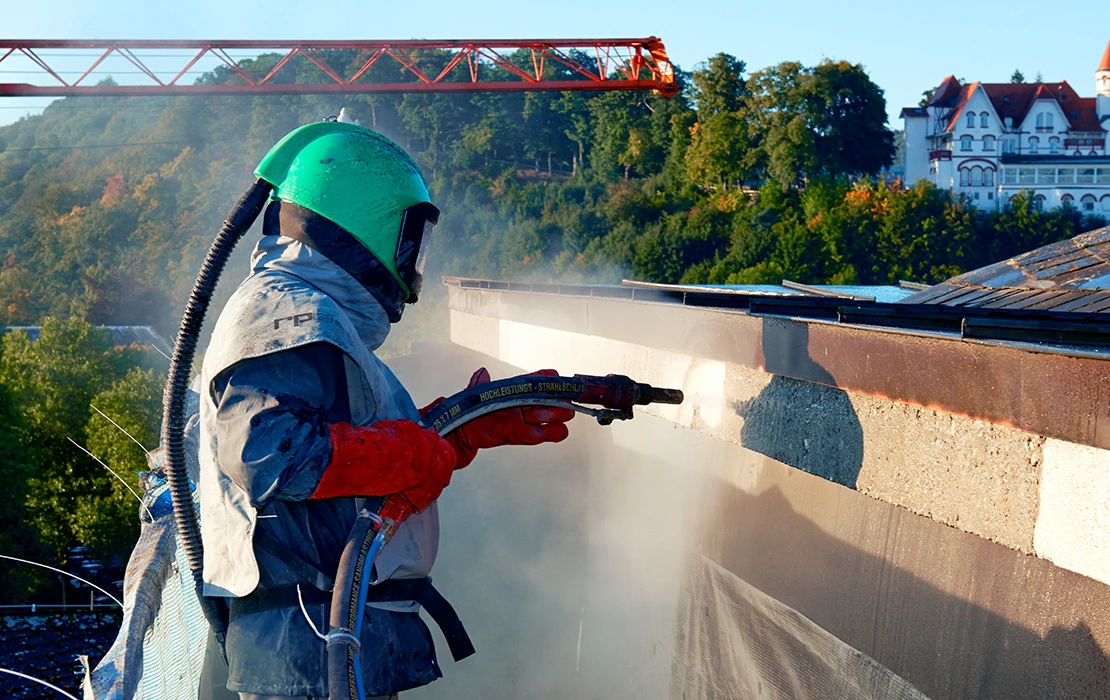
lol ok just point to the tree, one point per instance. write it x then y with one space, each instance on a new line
819 122
17 537
777 124
718 152
51 383
719 85
847 113
1017 76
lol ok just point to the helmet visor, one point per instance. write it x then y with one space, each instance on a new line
412 247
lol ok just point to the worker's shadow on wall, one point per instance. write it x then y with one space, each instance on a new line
800 418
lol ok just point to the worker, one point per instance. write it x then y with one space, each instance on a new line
302 425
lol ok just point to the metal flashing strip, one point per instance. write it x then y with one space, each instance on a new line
822 292
1088 327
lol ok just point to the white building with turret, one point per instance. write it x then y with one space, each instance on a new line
990 141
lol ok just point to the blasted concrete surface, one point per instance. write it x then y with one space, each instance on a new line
571 565
979 477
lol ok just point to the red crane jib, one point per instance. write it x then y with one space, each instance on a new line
424 66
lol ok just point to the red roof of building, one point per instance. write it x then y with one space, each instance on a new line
1105 64
1014 100
946 93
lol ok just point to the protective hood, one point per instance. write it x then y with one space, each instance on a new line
293 257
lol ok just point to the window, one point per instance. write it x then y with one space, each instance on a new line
988 180
971 120
1086 176
976 176
1067 200
1065 176
1009 176
1088 202
1044 120
964 179
988 143
990 195
984 120
1053 144
1027 176
1007 146
1046 176
1038 202
965 143
1106 204
1103 177
1033 143
975 196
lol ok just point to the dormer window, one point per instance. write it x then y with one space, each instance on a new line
1044 120
971 120
984 120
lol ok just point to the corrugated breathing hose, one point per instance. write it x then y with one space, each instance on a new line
177 386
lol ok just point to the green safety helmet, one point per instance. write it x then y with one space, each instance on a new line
364 183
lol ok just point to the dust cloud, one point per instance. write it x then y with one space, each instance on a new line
564 561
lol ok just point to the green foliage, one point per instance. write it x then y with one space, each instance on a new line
47 388
819 122
17 536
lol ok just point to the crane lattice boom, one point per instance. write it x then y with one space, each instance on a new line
423 66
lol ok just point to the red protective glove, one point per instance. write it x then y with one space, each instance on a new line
388 457
510 426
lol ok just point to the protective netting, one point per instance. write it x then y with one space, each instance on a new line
159 650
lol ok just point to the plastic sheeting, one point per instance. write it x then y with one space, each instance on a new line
734 641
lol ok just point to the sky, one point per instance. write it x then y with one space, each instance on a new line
906 48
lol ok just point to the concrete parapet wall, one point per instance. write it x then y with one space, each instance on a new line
996 468
654 560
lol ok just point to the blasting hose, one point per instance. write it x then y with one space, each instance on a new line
177 385
616 395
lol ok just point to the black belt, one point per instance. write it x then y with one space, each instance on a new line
419 590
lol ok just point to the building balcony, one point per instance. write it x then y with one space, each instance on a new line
940 155
1045 158
1096 144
